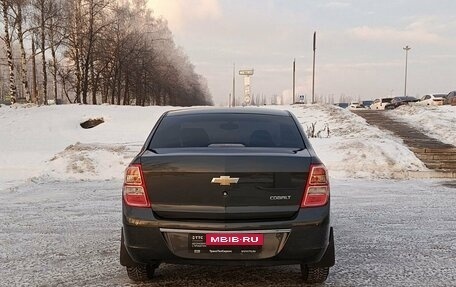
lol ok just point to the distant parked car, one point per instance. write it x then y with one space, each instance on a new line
367 104
356 106
380 104
450 99
400 101
342 105
432 100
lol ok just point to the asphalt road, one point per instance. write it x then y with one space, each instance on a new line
387 234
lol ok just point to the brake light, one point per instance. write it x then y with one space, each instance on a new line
316 192
134 189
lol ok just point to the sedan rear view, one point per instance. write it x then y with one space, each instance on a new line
227 187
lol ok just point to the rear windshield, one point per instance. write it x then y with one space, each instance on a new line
204 130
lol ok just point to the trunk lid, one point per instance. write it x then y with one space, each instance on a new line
270 182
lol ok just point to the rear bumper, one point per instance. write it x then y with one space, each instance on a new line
306 240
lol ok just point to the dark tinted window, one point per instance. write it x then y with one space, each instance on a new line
250 130
402 99
398 99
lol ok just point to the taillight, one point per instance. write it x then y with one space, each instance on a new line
134 189
317 187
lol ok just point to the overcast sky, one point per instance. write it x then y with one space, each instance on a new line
359 48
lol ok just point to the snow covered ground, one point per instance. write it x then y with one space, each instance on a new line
61 218
48 142
387 233
435 121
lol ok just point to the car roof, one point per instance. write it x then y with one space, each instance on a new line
436 94
210 110
406 97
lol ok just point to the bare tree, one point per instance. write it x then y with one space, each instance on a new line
41 8
95 7
56 35
102 51
17 7
6 5
35 85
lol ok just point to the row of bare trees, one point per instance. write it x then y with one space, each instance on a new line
95 51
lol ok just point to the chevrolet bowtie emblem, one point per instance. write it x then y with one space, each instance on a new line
225 180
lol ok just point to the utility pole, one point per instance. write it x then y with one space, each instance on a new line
229 101
406 49
313 69
233 104
294 81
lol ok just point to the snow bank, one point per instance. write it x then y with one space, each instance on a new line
31 137
49 142
354 148
435 121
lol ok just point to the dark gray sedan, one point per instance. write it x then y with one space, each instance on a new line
227 187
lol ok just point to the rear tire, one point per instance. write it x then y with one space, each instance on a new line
141 272
313 274
136 271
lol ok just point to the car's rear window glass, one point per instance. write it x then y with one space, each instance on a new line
249 130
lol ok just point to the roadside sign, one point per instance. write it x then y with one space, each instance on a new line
246 72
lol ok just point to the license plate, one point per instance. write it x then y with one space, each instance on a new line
251 243
234 239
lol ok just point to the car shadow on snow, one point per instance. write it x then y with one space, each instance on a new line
187 275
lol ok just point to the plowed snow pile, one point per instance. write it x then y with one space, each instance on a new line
48 142
354 148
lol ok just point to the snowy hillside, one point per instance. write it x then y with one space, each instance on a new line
48 142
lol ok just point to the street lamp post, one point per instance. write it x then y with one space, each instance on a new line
313 66
294 81
406 49
233 99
